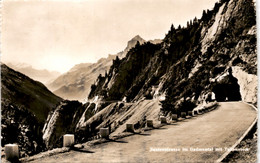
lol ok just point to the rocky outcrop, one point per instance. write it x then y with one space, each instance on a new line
130 44
63 120
248 85
116 115
183 66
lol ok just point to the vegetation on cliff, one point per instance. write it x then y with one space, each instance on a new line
184 65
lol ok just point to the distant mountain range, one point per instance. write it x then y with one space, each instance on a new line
76 83
43 76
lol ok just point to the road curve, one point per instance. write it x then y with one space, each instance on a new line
220 128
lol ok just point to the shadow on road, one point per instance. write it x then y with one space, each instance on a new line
81 150
174 124
116 141
143 134
159 128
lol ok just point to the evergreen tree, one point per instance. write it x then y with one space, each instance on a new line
137 44
117 58
195 20
172 28
179 27
204 15
188 24
191 23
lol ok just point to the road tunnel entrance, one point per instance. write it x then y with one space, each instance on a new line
227 89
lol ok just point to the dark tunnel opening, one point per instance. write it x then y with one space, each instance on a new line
227 89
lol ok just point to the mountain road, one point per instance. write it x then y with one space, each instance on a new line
203 138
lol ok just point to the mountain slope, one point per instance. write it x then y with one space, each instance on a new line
20 90
25 105
224 38
76 83
43 76
213 58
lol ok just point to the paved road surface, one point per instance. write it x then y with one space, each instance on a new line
219 128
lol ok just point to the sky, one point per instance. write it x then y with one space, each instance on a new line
56 35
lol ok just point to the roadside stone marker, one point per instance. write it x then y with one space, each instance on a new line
163 119
130 128
175 117
149 123
11 152
104 132
68 140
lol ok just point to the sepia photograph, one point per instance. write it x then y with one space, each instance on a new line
129 81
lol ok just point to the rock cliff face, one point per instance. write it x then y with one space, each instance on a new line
210 56
63 120
248 84
222 38
76 83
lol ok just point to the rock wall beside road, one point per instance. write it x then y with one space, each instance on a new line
247 83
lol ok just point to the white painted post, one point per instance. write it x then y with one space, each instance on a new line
104 132
130 128
68 140
163 119
149 123
175 117
11 152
